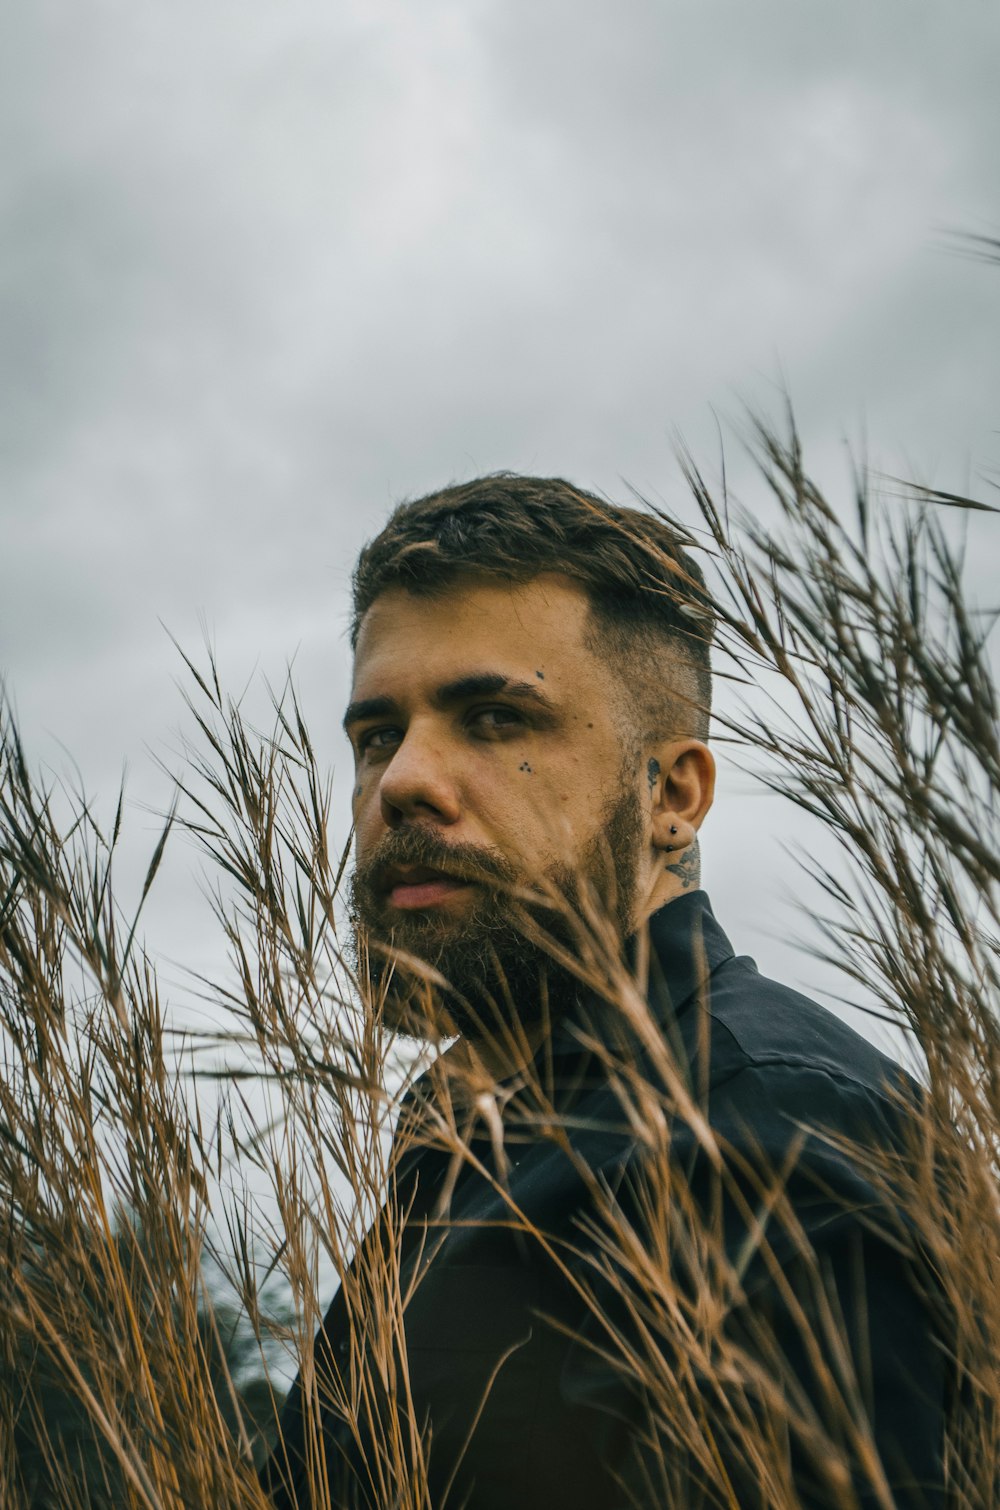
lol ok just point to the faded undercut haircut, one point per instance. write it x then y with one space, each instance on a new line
650 619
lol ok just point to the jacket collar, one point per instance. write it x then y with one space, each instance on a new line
686 945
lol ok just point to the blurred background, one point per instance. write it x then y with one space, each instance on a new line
267 269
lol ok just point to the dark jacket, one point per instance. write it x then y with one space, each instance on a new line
508 1366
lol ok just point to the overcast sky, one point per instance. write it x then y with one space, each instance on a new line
266 268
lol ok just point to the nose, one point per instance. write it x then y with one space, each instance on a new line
418 784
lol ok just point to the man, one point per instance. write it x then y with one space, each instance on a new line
657 1260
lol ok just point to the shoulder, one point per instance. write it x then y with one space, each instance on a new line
760 1024
754 1023
786 1073
767 1057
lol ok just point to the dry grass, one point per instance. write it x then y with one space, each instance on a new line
123 1176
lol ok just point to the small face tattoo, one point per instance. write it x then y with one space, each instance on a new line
652 771
524 766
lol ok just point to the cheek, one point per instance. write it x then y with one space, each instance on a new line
358 802
548 807
365 808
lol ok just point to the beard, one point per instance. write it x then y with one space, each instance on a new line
493 966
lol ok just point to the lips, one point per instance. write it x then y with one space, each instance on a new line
413 886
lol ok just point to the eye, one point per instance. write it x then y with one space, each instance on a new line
494 720
384 738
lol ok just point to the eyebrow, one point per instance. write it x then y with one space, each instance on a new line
477 684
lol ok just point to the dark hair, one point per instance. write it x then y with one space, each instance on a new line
642 584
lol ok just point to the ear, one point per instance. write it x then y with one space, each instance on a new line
682 786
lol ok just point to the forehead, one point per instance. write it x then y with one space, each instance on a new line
532 627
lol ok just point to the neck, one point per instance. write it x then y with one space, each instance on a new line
681 873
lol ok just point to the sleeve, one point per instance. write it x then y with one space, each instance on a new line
766 1333
316 1460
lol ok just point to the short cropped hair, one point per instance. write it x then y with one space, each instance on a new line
650 614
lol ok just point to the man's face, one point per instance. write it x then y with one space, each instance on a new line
487 757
